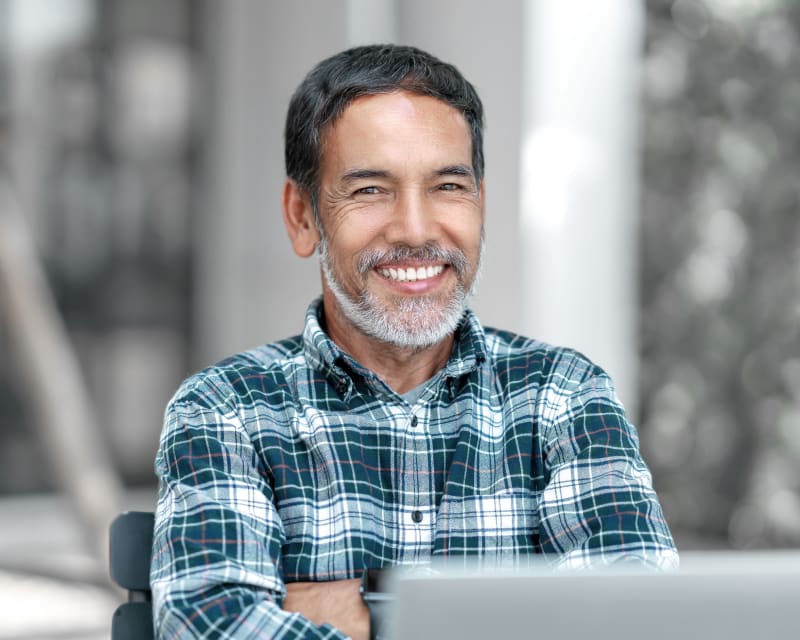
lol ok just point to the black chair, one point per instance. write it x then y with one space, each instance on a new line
130 546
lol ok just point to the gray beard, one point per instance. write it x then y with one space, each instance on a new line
416 322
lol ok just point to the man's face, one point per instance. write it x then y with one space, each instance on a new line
401 219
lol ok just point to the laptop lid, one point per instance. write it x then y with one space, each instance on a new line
714 595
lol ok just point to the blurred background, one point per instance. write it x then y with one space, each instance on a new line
643 206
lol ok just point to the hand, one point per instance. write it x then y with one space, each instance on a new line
338 603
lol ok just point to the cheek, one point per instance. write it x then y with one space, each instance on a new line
468 237
347 242
344 258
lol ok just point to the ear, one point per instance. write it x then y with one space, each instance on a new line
483 200
298 216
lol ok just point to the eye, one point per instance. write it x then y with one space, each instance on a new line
367 191
450 186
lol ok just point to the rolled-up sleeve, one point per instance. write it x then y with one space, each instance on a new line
599 506
218 537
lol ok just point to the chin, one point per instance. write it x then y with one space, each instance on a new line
407 329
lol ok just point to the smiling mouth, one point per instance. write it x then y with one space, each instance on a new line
411 274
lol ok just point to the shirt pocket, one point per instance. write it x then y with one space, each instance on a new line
499 527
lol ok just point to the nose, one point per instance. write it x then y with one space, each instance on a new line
413 220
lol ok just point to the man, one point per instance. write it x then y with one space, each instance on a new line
396 429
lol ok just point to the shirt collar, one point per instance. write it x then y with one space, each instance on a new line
469 349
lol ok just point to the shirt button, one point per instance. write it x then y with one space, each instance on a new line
416 516
414 423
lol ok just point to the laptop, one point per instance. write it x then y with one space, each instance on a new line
726 595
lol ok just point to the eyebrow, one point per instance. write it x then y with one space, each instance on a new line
361 174
461 170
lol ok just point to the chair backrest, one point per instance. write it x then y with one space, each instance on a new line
130 547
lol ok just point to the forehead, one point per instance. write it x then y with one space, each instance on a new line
396 124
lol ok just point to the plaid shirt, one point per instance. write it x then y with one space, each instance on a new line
292 462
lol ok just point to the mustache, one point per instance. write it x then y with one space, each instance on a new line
426 253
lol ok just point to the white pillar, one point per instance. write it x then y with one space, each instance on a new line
578 186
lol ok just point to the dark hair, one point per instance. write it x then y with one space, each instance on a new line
335 82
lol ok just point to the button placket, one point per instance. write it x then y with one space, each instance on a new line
415 481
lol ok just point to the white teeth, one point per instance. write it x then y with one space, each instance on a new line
411 274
